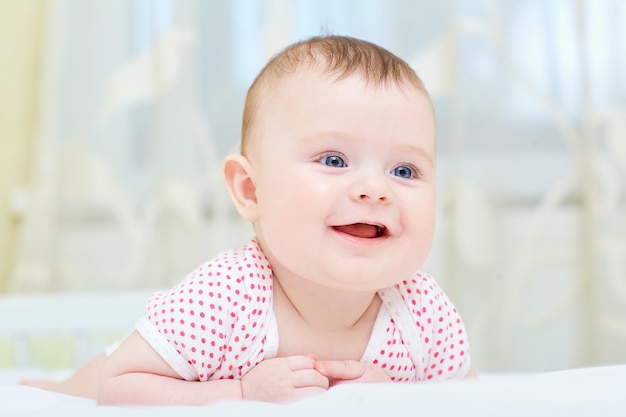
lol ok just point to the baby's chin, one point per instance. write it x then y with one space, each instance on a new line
366 284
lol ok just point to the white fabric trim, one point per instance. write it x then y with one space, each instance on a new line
392 300
166 350
378 336
272 341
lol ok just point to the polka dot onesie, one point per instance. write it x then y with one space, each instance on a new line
219 323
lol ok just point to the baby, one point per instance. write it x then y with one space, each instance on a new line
337 177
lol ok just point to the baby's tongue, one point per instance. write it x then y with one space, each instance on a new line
358 230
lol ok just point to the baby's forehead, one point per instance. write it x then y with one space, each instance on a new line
295 90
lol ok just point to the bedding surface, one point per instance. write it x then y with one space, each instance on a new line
599 391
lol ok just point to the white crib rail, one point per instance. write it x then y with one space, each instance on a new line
80 316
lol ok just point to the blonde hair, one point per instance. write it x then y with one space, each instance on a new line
339 56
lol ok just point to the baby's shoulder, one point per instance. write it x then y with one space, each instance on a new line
421 291
247 257
234 275
234 266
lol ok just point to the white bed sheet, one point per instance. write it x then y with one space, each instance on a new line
599 391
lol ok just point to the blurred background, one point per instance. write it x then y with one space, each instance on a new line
115 115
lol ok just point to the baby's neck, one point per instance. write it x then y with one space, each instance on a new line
325 309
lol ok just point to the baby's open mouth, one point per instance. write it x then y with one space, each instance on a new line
363 230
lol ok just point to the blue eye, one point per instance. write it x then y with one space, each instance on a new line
334 161
404 171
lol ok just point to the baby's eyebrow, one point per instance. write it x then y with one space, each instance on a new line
413 149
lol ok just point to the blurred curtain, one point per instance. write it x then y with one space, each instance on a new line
143 98
22 26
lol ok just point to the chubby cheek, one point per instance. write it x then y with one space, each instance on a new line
292 193
285 231
286 207
420 227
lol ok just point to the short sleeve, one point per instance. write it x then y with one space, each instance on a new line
443 336
213 324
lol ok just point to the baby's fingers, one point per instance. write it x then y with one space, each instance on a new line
300 362
341 369
309 378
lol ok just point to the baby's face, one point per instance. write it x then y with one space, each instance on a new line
345 181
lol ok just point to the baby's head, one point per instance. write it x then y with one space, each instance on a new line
337 165
336 56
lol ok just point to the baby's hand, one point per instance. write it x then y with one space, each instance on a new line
351 371
283 379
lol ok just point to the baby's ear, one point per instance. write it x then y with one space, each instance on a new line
237 174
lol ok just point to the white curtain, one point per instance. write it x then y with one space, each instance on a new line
143 98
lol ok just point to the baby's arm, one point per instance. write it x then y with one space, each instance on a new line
136 374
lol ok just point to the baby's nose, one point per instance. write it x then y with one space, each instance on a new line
372 189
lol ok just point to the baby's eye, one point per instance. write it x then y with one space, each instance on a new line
405 171
333 160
